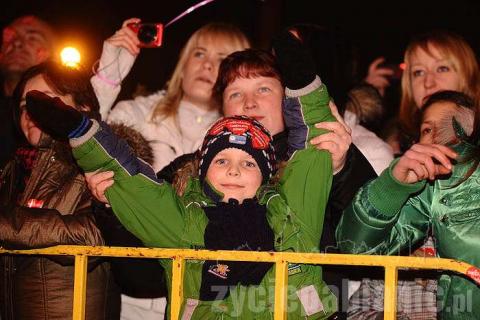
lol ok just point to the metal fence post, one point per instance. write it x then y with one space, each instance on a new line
281 290
178 264
390 303
80 287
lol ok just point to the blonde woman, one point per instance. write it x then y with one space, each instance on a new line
174 119
435 61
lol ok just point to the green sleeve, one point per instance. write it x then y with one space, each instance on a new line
306 181
147 207
385 217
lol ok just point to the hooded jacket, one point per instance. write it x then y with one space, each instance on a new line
295 212
53 209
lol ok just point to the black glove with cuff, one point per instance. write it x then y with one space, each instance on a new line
294 60
53 116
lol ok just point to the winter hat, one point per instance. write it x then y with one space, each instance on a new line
242 133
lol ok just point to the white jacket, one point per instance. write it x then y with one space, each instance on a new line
168 139
377 151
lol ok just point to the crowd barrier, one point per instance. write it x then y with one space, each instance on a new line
280 259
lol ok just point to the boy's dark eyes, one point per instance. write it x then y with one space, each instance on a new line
220 161
250 164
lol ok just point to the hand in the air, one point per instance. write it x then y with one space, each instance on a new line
54 117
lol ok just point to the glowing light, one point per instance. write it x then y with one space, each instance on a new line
70 57
403 66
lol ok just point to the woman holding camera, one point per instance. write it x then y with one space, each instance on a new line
176 118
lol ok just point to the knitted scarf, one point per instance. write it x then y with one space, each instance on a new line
234 226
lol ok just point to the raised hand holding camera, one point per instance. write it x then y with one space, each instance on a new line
149 34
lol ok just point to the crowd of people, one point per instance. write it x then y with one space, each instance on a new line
242 149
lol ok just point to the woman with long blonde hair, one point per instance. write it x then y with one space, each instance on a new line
176 118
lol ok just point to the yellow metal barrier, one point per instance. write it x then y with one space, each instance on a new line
281 260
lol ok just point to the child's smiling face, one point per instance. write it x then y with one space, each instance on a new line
235 173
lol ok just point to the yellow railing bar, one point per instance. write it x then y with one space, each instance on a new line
177 283
281 259
390 300
281 277
80 287
291 257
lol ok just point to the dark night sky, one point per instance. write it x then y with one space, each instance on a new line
376 29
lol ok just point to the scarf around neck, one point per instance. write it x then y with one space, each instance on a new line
234 226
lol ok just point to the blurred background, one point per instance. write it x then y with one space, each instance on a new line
362 29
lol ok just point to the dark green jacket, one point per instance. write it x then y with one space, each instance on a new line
388 217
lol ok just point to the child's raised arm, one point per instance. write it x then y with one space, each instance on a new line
305 183
147 207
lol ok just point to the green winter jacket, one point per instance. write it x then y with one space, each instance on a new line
388 217
153 211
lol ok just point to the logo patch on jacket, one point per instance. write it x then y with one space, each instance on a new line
294 268
220 270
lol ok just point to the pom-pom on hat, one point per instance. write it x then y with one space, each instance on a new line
242 133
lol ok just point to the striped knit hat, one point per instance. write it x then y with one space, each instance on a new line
242 133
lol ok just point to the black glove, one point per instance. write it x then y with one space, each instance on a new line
294 60
56 118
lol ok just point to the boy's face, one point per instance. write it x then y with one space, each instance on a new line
259 98
433 119
235 173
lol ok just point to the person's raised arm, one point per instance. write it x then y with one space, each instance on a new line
383 217
118 55
147 207
337 141
378 76
306 181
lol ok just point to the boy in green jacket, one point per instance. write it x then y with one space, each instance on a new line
229 204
